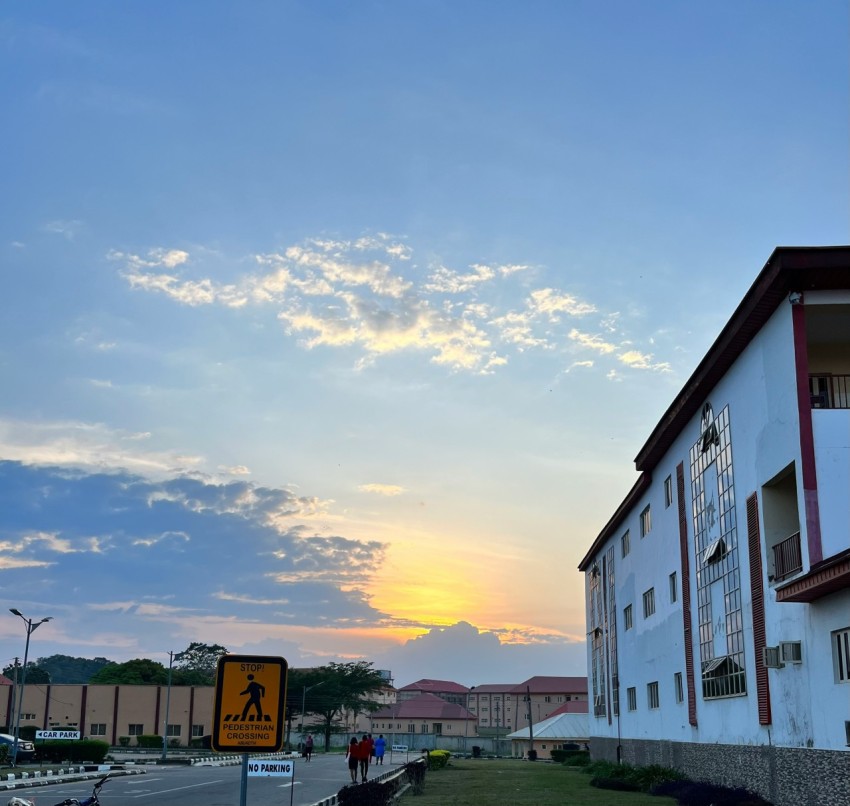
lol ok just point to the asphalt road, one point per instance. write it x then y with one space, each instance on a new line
325 775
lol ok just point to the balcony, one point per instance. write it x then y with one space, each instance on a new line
830 391
787 558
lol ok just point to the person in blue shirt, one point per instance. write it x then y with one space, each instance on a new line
380 746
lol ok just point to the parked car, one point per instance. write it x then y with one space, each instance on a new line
26 750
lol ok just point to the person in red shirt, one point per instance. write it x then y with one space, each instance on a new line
352 753
365 755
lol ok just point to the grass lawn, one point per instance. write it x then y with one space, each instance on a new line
480 782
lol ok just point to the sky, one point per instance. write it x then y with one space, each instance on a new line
331 330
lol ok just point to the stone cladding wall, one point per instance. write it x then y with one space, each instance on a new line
786 776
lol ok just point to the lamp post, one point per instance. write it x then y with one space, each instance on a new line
31 627
167 707
304 705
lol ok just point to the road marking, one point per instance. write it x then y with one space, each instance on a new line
178 788
284 786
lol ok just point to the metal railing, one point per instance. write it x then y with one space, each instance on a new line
787 557
830 391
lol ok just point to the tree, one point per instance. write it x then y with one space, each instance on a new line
344 686
34 674
132 673
197 664
67 669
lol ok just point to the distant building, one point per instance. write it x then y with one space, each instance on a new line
424 714
503 708
718 593
564 728
445 689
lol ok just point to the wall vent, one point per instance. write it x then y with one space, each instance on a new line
770 657
791 651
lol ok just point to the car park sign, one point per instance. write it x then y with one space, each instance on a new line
250 694
57 734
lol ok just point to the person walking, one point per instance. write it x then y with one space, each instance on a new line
308 746
365 756
352 753
380 747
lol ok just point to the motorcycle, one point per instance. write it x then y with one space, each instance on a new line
93 800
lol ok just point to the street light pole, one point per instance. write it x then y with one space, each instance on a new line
167 707
31 627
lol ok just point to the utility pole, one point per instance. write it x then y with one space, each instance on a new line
11 719
167 708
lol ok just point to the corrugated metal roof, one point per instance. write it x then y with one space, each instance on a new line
569 727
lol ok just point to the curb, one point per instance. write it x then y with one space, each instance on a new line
228 761
28 780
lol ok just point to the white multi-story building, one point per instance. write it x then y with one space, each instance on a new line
718 594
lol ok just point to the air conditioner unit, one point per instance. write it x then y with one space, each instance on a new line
770 657
791 651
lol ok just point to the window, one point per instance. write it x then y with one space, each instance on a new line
674 587
715 552
631 694
841 655
680 692
652 694
197 730
547 698
668 491
424 728
624 544
97 729
30 717
136 729
411 728
645 522
649 603
172 730
627 617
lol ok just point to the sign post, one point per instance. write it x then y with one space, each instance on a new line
250 699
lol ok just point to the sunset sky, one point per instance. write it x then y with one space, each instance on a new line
331 329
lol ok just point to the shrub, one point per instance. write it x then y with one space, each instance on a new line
124 741
572 758
608 769
150 740
618 784
648 777
55 751
370 793
698 793
437 759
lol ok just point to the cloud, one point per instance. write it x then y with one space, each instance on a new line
638 360
365 296
382 489
67 229
468 655
592 342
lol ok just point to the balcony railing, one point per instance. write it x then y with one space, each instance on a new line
787 558
830 391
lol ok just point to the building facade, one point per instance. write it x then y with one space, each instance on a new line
718 594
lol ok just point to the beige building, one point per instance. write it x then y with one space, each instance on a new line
109 712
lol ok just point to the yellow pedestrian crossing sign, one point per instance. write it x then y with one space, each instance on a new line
250 697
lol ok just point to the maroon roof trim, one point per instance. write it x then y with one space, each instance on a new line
828 577
789 268
613 525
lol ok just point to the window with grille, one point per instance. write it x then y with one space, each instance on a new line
172 730
97 729
680 691
625 540
668 491
841 655
631 696
645 521
627 617
649 603
197 730
652 694
136 729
